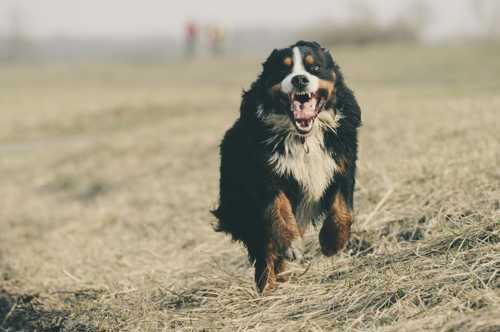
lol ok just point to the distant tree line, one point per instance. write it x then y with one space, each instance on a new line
361 28
364 28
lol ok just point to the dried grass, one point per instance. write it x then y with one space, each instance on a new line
104 213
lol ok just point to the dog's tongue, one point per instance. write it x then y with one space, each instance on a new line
304 111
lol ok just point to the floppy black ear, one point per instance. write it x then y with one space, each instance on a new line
273 53
328 57
270 57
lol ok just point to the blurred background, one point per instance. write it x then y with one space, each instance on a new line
111 115
113 30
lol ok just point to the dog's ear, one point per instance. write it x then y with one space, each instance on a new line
273 53
270 58
330 62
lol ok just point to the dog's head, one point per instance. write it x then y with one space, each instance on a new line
298 82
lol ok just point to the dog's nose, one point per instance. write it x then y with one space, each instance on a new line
300 81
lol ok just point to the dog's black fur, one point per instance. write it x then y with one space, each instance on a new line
253 195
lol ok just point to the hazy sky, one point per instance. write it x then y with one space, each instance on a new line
135 18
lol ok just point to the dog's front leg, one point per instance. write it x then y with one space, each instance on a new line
283 239
336 228
265 275
285 232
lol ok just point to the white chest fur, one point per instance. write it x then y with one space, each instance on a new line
308 162
312 166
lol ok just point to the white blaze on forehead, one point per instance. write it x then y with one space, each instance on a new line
298 65
299 69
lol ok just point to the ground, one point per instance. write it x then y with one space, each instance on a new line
108 173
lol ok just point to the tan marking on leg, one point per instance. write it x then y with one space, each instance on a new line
265 274
280 266
343 218
342 165
336 229
285 228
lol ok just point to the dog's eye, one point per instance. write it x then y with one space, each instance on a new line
315 69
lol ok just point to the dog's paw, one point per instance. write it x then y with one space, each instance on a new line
332 240
329 250
295 252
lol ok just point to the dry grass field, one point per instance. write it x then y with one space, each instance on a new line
108 173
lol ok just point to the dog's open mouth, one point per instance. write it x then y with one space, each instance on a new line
305 107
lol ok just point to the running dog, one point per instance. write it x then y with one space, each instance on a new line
289 160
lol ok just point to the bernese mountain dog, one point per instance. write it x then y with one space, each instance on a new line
290 160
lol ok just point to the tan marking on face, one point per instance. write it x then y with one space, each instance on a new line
309 60
329 87
275 89
288 61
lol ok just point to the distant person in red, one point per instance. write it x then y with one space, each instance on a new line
216 39
191 35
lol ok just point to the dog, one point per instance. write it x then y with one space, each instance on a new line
289 160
